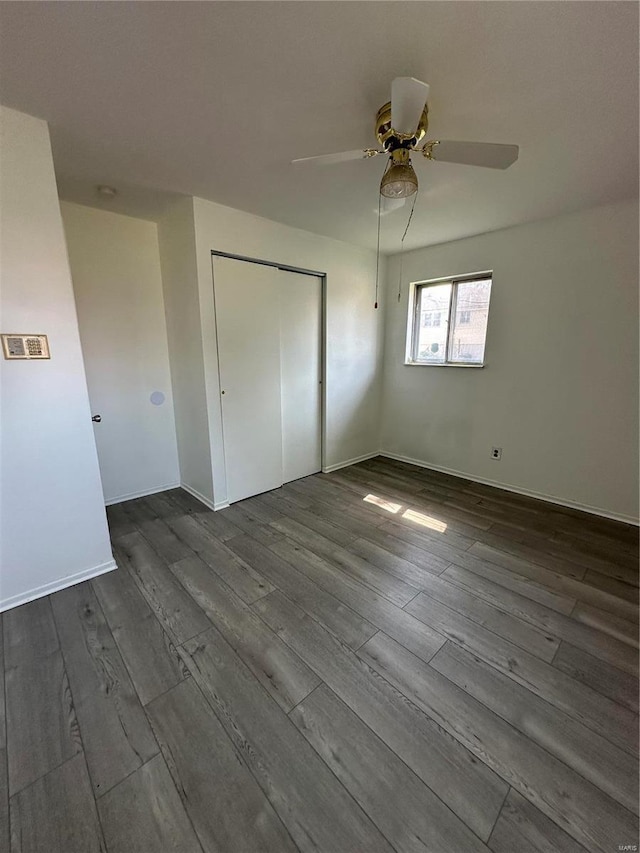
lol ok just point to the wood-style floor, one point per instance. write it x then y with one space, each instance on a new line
378 659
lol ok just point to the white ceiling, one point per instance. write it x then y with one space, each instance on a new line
215 99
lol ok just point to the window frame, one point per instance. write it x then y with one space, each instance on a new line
413 319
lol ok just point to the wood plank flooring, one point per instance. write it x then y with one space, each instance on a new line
382 658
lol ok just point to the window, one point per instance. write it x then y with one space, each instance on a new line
448 321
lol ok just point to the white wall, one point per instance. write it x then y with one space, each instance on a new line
115 266
53 523
559 392
353 327
176 234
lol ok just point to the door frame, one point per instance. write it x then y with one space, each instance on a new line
215 253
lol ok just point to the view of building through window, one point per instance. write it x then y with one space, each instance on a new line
468 334
450 322
432 339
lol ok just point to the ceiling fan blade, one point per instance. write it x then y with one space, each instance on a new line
341 157
488 154
408 97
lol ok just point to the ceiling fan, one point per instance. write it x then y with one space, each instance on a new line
401 128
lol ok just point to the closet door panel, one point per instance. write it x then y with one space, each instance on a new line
301 372
248 326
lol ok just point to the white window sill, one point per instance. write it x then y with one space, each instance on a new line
432 364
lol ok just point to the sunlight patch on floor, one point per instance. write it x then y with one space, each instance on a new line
382 503
425 520
410 514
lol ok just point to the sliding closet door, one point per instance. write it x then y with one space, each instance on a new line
269 324
248 326
301 372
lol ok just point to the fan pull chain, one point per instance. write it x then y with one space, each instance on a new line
375 304
402 246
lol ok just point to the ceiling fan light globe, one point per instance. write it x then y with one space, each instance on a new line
399 181
395 189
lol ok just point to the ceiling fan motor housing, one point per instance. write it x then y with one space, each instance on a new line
391 139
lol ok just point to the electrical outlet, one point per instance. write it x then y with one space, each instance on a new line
496 453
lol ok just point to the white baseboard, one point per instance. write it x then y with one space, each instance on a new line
327 469
541 496
221 505
55 586
121 498
196 494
